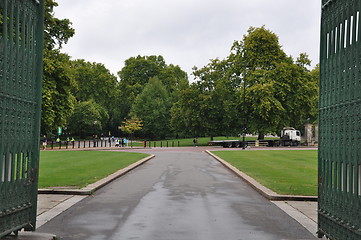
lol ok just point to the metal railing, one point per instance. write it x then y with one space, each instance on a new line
88 144
21 45
339 200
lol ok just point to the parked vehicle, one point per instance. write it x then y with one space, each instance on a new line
289 137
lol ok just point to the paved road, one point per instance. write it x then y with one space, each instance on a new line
176 196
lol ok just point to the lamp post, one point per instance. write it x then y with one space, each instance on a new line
244 127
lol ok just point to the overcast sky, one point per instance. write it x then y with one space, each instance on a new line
185 32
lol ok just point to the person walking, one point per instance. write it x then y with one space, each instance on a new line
45 142
195 142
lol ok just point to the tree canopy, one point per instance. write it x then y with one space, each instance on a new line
257 84
57 100
153 105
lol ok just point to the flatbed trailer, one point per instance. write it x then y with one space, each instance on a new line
263 143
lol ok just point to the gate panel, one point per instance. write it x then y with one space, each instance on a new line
339 213
21 44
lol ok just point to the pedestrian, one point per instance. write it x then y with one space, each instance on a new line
95 140
45 142
117 142
195 142
72 141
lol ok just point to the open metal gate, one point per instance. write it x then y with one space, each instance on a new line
21 44
339 213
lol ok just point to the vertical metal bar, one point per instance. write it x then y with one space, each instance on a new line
38 86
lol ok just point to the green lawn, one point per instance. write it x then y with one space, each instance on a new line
80 168
291 172
202 141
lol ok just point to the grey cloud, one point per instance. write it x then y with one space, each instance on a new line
185 32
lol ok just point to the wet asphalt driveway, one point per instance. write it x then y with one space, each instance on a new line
176 196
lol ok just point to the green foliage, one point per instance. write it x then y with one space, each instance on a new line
95 82
56 31
80 168
257 85
278 92
188 112
292 172
88 118
131 125
136 74
210 106
152 105
57 100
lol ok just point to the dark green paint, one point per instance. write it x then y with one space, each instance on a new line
339 212
21 44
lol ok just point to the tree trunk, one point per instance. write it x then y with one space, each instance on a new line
260 136
212 138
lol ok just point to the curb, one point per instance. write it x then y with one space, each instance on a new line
32 236
91 188
266 192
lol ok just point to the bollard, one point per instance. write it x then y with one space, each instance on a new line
167 143
161 144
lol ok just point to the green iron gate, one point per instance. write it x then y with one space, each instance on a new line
339 212
21 43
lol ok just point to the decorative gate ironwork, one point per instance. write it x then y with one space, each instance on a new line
21 44
339 212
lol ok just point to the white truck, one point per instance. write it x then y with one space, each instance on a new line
290 137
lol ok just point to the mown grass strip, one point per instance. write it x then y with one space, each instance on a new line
80 168
289 172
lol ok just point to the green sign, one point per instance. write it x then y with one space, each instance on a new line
60 131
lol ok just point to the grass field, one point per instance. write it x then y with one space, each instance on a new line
291 172
80 168
202 141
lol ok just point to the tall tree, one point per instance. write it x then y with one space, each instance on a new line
57 80
214 81
189 111
152 105
137 72
88 118
276 89
95 82
57 100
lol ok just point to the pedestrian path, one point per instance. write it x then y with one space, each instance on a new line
177 195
